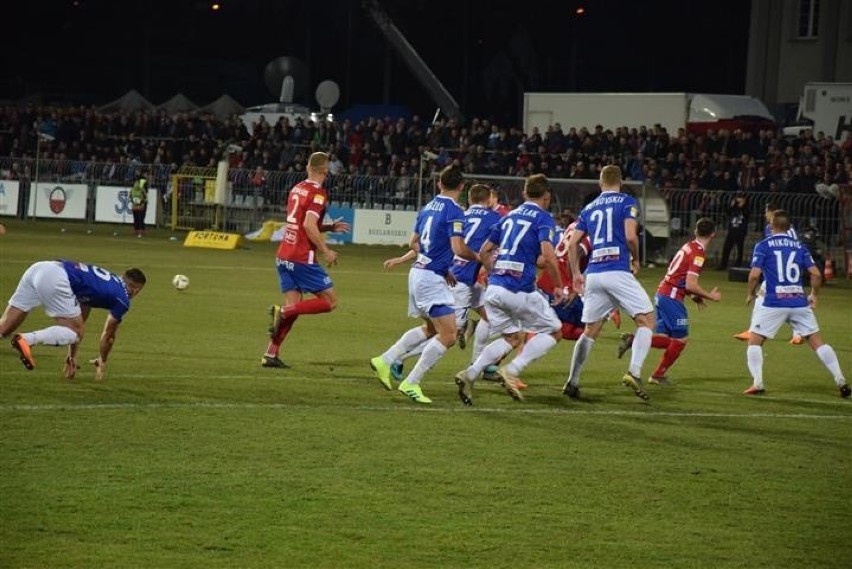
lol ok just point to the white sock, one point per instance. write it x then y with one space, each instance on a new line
534 349
491 354
828 357
480 338
53 336
415 351
582 347
754 358
407 342
433 352
640 348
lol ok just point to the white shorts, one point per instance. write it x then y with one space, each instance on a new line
425 290
614 289
510 312
467 296
766 320
46 284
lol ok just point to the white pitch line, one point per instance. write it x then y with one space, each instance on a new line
568 412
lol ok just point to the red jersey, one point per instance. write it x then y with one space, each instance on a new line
688 260
544 281
306 198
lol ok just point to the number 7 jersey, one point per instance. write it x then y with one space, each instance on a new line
603 220
306 198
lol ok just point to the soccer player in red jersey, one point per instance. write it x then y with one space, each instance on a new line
681 280
569 312
296 260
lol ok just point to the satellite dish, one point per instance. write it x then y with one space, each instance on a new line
286 78
327 95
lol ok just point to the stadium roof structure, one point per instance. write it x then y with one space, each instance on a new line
180 103
224 107
129 102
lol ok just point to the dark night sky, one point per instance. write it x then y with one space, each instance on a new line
486 52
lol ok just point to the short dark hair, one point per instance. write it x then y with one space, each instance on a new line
705 227
451 177
536 186
478 193
135 275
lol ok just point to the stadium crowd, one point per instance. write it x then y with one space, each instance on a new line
763 161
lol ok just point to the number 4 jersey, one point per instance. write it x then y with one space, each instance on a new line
306 198
783 260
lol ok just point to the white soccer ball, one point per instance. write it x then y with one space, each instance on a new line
180 282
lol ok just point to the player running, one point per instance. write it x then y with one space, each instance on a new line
680 281
512 302
781 261
296 259
437 238
609 281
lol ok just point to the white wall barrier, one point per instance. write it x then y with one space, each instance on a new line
382 227
9 192
58 201
112 205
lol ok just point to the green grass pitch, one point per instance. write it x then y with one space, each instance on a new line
192 455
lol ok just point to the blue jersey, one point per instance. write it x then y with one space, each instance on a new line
603 219
519 236
438 221
767 232
478 221
783 261
98 288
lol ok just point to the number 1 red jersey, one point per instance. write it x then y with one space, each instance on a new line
688 259
306 198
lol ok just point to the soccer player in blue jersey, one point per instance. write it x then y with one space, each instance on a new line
610 278
437 238
467 292
769 213
781 260
512 302
68 291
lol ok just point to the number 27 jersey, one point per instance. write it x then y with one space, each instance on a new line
306 198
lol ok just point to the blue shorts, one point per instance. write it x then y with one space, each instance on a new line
302 277
672 319
571 313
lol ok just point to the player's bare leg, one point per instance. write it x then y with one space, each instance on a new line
11 319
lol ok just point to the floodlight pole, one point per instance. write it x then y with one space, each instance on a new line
35 185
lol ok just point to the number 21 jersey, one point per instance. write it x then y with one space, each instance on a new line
603 219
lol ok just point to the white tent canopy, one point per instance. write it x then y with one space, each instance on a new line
129 102
224 107
180 103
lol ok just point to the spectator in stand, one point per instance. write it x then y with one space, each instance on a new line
737 230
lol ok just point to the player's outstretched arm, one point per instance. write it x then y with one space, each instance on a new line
694 289
409 256
105 345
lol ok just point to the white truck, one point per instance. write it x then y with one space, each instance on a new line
695 112
826 108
